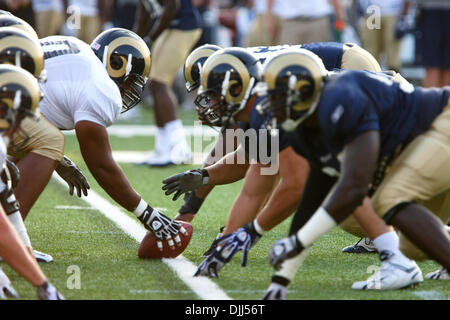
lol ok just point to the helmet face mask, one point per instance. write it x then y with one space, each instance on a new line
227 80
211 107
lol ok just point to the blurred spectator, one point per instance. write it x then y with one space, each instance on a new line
49 16
173 30
266 24
124 13
433 43
378 32
306 21
93 14
237 18
20 8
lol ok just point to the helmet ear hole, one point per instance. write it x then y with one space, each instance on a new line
235 89
115 62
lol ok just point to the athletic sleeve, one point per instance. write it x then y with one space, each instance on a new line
317 187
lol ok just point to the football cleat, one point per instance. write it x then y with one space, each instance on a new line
157 159
42 257
441 274
364 245
395 273
6 288
275 291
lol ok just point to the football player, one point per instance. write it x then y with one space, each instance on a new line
19 99
389 141
175 30
36 140
222 106
257 189
86 89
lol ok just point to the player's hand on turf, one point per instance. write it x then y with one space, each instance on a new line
48 292
69 171
243 239
184 182
162 227
284 249
275 291
225 247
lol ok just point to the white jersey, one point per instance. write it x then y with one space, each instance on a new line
78 86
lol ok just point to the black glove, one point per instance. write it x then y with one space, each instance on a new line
284 249
184 182
68 170
162 227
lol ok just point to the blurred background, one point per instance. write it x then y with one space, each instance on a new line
409 36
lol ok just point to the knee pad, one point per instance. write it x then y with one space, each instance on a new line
394 210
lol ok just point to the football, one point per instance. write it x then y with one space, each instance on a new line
149 250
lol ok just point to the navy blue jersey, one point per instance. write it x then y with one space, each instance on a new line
258 122
330 52
310 145
187 18
354 102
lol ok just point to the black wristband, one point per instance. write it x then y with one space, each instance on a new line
280 280
192 204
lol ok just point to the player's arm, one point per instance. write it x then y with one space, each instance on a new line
257 188
232 167
171 8
285 197
357 170
142 21
96 152
194 200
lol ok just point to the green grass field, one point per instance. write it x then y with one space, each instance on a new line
110 269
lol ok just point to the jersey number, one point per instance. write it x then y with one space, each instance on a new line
58 48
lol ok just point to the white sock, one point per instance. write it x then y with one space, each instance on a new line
161 145
318 225
388 241
175 133
289 267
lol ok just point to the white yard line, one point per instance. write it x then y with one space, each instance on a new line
430 295
140 156
74 208
202 286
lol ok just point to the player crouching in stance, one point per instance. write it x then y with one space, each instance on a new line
225 79
392 144
19 98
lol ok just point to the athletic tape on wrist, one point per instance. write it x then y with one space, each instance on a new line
141 207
